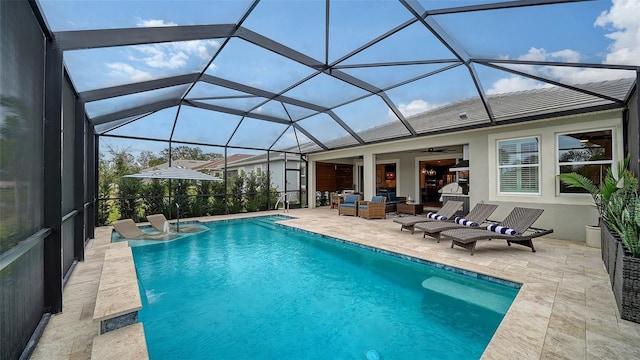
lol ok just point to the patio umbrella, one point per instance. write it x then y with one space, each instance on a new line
174 173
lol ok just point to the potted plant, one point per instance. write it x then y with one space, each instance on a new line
623 228
618 204
612 182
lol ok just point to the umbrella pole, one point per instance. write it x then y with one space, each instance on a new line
178 217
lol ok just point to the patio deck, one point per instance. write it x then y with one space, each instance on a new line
565 309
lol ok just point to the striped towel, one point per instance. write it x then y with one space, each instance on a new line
436 216
503 230
465 222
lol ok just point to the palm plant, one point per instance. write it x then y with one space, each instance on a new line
617 201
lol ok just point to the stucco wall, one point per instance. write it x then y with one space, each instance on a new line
566 214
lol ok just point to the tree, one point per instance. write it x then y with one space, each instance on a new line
200 205
235 193
154 193
105 184
123 163
147 159
251 192
180 200
184 152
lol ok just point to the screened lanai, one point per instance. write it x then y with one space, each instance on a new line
270 79
312 76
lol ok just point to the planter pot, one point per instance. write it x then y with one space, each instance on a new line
624 272
593 236
609 246
627 286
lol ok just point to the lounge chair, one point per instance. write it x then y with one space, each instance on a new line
374 209
447 210
478 215
519 220
158 222
127 229
349 206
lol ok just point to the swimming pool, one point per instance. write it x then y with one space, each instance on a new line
254 290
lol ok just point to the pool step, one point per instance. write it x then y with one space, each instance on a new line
485 299
124 343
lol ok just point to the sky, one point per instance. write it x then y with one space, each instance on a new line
601 31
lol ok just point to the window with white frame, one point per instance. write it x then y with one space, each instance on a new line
589 153
258 170
519 165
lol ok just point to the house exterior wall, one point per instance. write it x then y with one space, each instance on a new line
276 167
566 214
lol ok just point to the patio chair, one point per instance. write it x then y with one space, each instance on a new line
517 228
158 222
374 209
478 215
447 211
349 206
336 199
127 229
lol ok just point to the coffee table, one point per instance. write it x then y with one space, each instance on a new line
413 208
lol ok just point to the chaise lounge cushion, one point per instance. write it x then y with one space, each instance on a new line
350 201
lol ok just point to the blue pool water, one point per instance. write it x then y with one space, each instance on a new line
249 289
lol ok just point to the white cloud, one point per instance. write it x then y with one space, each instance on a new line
512 84
161 56
566 55
621 19
126 71
154 23
175 55
414 107
172 56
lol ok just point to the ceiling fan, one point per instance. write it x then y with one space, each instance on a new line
440 150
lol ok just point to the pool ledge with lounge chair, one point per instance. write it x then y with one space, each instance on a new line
475 218
448 210
159 222
127 229
519 221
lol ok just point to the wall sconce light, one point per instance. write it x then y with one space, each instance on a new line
424 171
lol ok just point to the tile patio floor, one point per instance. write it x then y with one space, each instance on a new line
565 309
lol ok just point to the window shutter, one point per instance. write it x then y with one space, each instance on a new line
519 165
